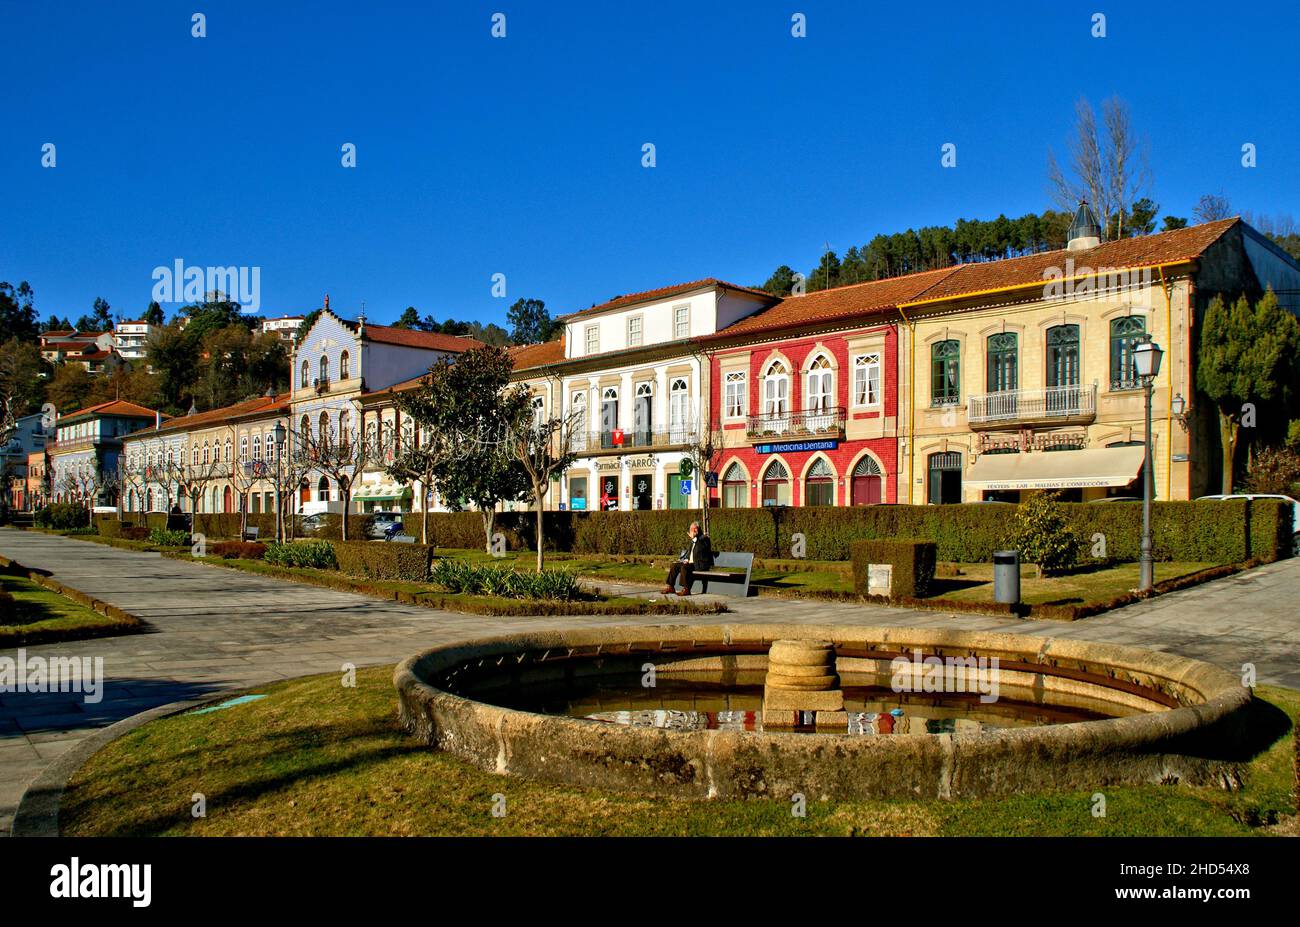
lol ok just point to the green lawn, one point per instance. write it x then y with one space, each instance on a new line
317 758
39 616
975 583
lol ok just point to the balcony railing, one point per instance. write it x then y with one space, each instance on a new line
1052 403
821 423
615 441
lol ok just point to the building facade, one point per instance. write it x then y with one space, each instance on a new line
83 457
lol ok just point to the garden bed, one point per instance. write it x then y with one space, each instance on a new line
37 609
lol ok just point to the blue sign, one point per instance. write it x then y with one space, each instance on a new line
578 504
794 447
686 487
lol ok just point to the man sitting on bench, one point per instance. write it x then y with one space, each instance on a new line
698 556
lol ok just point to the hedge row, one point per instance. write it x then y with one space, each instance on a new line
379 560
911 563
1205 532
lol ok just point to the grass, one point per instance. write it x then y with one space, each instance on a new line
41 615
1087 584
318 758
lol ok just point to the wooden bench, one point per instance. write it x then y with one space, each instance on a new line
725 575
250 534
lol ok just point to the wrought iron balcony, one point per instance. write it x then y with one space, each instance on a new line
616 441
1020 406
806 423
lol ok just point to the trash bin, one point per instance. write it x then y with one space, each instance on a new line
1006 576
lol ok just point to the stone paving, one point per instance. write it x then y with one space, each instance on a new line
215 630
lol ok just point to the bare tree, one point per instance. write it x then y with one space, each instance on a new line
245 473
288 465
339 455
1212 207
1108 165
193 479
419 461
544 447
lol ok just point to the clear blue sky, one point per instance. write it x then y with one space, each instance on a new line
522 155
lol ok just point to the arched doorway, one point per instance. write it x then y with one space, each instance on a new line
867 482
945 478
819 486
227 501
735 488
776 484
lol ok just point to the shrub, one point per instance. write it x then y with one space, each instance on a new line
165 538
238 550
912 565
133 532
380 560
462 577
62 516
1042 535
1274 470
312 554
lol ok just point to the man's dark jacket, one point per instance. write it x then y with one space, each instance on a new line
700 553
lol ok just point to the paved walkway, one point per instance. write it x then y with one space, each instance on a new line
213 630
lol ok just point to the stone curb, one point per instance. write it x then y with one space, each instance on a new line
38 810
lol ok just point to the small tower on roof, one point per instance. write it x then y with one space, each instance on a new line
1085 230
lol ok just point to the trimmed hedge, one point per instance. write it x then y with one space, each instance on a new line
380 560
238 550
314 554
62 516
1204 532
912 564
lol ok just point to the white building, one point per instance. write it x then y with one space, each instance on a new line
286 326
133 338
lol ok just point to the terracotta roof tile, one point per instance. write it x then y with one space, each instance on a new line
525 356
112 407
214 417
665 293
411 338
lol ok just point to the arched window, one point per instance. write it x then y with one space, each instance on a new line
243 447
323 490
579 407
679 407
323 431
735 488
643 414
1063 355
206 457
305 381
867 482
820 392
257 447
608 416
345 426
229 445
945 373
343 366
1003 362
304 427
324 370
776 399
776 484
194 455
1125 335
819 486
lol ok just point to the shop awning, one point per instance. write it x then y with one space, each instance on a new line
377 493
1093 467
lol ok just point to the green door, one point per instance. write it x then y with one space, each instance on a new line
675 498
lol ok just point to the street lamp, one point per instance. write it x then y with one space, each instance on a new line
1146 363
279 509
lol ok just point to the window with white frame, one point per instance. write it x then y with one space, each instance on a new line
776 391
679 400
579 407
243 447
681 321
257 447
821 385
866 380
593 339
734 399
634 331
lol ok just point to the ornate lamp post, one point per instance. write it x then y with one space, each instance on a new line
1146 361
279 509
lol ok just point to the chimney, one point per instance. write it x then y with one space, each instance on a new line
1085 230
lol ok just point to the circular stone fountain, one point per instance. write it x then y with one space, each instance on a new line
751 710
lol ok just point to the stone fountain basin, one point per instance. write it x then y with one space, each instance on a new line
1190 728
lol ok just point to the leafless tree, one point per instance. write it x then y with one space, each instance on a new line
245 473
193 479
544 447
1108 165
339 455
1212 207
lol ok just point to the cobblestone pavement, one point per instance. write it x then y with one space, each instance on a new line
214 630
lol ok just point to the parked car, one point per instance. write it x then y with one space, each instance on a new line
1295 506
312 525
1118 499
384 525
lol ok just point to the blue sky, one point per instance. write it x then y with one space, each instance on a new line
522 155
